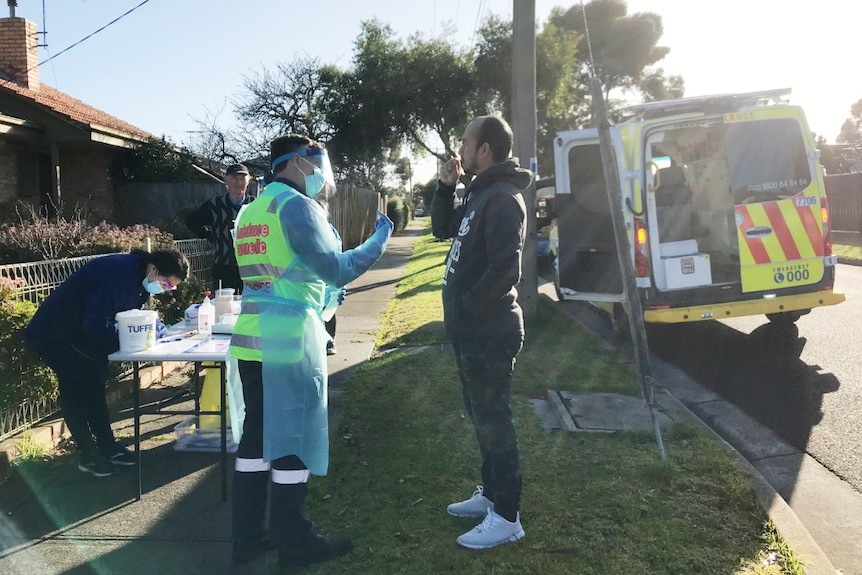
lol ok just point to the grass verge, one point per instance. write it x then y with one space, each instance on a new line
847 252
593 503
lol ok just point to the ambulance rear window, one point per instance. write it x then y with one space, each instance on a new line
767 160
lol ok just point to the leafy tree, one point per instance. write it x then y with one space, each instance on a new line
834 157
157 160
557 102
400 93
620 49
623 48
424 90
851 137
426 191
359 108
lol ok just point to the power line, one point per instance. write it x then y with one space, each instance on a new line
84 39
87 37
479 13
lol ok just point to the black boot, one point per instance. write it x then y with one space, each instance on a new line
249 516
292 532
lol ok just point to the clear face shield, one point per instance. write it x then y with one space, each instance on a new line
315 166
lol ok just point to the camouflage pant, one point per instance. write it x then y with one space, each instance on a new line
485 366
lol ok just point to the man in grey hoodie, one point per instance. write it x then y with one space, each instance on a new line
482 315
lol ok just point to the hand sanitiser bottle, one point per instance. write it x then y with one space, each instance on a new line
206 316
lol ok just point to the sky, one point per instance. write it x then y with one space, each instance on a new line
171 61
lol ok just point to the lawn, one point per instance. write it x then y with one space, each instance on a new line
599 504
851 253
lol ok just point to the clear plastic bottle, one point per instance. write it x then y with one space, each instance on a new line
206 316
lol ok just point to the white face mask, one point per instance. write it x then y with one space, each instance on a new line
315 181
154 287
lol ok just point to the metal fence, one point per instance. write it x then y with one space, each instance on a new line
41 278
200 256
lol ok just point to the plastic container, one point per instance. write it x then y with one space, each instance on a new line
223 301
209 397
191 314
191 437
206 316
137 329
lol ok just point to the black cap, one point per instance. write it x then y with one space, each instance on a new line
236 169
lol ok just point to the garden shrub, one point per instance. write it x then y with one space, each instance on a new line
37 236
398 212
176 225
22 373
172 305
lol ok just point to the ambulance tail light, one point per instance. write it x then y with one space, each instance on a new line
827 227
642 267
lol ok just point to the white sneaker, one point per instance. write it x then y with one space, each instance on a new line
494 530
476 506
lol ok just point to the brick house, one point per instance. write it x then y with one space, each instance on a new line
53 148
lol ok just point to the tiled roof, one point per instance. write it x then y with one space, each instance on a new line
73 109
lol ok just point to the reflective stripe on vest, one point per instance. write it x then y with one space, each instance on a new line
254 272
264 255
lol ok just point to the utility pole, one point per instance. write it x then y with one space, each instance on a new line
524 126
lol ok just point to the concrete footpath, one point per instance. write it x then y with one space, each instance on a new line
56 520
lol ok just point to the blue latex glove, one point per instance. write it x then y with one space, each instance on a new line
383 221
161 329
341 293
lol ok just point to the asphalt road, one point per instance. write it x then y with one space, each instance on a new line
805 384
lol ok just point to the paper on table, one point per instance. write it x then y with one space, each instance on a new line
210 345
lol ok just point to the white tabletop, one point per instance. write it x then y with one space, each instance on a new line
196 347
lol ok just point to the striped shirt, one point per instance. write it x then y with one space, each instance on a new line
213 221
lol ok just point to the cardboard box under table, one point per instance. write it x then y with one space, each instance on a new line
195 348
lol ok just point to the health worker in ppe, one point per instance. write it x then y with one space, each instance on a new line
291 262
74 330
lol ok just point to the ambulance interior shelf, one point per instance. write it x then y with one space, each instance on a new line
680 263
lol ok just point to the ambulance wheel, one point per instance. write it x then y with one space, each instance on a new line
786 318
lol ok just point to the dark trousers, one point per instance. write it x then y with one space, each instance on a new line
229 277
288 524
485 366
330 327
81 382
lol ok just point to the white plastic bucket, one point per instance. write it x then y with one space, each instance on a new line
137 329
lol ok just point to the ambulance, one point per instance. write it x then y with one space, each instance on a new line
724 207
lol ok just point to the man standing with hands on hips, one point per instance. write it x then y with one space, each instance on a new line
482 315
292 265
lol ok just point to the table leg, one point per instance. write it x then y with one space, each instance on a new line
136 400
197 391
223 409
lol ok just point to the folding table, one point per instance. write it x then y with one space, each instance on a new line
194 348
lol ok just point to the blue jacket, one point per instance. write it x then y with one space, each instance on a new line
81 310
